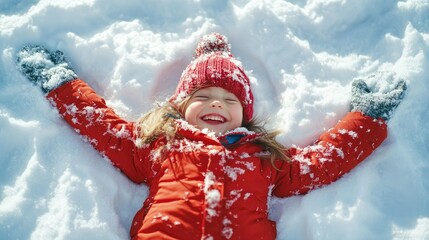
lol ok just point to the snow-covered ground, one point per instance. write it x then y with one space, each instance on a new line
302 56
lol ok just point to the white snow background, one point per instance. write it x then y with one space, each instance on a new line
302 57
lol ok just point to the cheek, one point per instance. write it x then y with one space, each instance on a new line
191 112
237 115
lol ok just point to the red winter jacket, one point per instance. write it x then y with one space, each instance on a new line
202 189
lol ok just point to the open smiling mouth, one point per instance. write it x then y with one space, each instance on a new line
213 119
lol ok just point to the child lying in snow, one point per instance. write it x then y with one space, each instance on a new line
209 165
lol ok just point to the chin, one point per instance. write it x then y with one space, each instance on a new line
216 130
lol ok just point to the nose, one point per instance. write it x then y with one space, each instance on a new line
216 104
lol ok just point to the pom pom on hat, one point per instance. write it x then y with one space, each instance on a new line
212 43
215 66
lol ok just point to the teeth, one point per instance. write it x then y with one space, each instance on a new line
214 118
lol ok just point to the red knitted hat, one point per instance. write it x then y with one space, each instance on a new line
215 66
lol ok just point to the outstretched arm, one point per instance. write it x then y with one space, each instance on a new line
340 149
83 109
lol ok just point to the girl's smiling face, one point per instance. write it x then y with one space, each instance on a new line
214 108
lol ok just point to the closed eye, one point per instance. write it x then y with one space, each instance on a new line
201 97
231 100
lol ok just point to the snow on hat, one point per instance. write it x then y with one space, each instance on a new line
215 66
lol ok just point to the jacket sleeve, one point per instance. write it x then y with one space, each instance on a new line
109 134
334 154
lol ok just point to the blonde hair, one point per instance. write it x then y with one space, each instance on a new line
268 141
160 122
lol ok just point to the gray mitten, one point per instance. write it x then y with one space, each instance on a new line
376 104
46 70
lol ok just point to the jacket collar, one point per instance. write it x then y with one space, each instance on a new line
229 139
